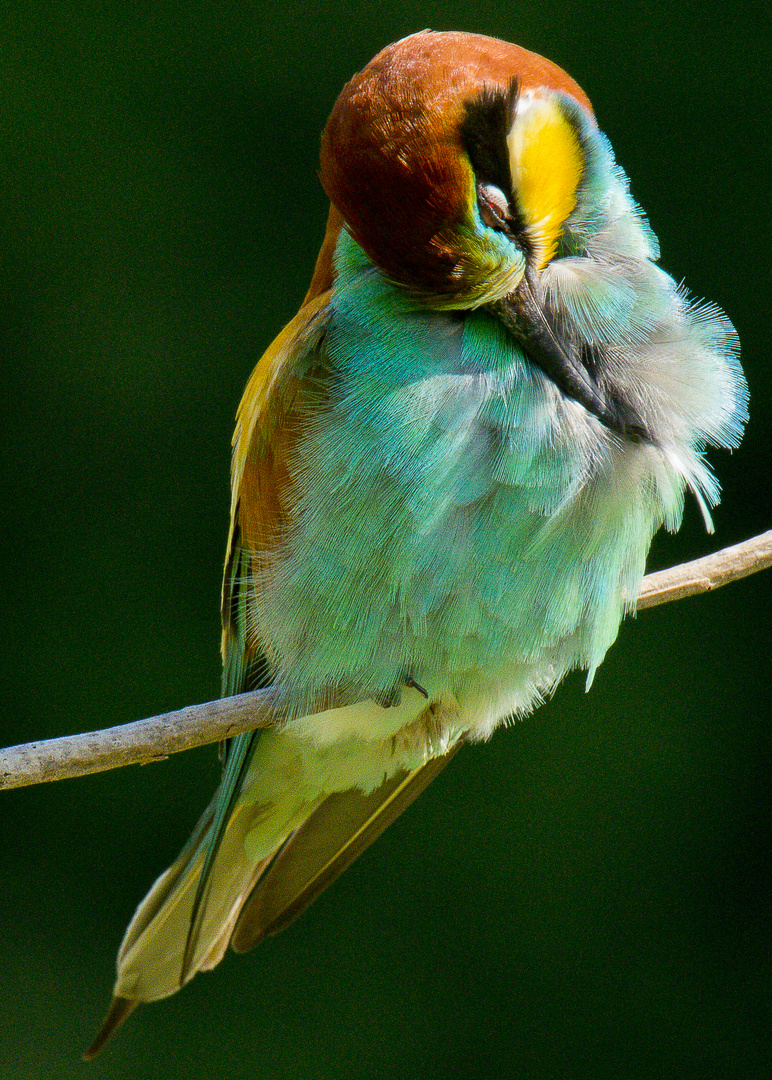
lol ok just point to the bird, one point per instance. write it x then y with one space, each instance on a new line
447 471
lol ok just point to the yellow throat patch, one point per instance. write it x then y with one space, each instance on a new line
546 163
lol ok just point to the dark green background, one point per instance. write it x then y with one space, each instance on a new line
588 895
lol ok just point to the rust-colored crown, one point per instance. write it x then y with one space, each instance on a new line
392 161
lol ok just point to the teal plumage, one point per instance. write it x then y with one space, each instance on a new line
447 473
450 460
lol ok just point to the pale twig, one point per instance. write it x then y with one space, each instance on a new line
137 743
158 736
704 575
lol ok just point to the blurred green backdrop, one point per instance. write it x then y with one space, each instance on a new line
588 895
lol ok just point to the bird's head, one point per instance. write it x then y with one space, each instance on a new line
454 160
472 173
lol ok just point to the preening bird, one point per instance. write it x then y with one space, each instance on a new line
447 471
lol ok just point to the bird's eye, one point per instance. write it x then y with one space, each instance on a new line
494 207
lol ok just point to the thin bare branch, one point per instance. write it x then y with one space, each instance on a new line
137 743
158 736
705 575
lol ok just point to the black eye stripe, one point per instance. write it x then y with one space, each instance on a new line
484 129
488 118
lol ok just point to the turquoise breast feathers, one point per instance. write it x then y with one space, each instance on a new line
489 532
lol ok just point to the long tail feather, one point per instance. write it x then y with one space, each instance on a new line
240 751
120 1010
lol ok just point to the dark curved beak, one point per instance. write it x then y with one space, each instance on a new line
525 317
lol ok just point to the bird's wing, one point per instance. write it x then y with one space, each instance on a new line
264 433
323 847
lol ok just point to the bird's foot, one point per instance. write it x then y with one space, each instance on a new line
394 696
410 681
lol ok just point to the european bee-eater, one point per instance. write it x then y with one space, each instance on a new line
447 471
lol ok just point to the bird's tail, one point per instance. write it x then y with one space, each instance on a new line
300 816
185 922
